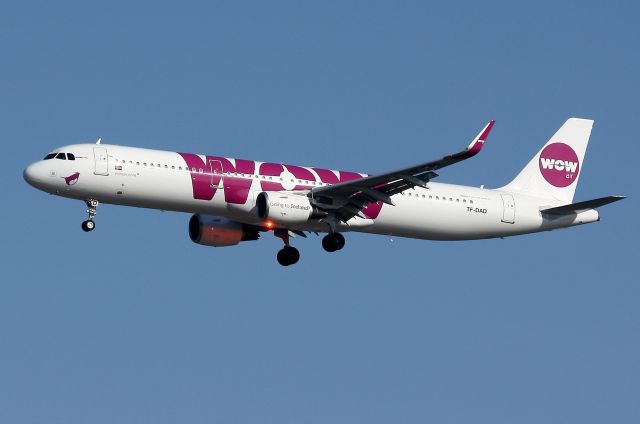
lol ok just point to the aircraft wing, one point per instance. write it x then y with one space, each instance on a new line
347 199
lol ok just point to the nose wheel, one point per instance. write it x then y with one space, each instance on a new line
89 224
332 242
288 255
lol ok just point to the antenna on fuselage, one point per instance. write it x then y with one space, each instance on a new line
99 140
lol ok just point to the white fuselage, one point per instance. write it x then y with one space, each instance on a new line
163 180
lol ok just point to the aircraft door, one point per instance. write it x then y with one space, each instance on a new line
508 209
101 160
215 166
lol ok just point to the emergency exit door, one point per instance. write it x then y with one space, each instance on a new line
508 209
101 161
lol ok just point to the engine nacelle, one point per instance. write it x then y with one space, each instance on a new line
286 209
218 232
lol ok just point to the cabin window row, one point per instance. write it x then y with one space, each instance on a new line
435 197
215 172
269 178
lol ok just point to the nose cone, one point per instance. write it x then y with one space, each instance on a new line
30 175
33 174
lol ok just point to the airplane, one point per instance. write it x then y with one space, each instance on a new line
236 200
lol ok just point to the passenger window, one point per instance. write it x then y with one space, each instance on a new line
71 156
471 201
173 167
200 170
61 156
193 169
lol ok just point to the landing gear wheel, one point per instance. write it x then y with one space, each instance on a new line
88 225
92 206
332 242
288 255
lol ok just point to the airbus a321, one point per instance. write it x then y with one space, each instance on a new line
237 200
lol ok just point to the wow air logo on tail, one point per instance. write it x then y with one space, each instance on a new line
559 164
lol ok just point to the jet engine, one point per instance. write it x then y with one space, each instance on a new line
286 209
218 232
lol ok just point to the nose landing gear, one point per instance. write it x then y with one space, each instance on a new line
332 242
288 255
88 225
92 206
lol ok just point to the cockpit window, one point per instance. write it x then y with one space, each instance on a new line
49 156
71 156
61 156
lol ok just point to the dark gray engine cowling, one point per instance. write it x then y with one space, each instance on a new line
218 232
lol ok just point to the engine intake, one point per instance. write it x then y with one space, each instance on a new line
218 232
286 208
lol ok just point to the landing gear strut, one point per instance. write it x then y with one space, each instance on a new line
288 255
92 206
333 241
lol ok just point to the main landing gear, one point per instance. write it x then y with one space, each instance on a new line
332 242
288 255
92 206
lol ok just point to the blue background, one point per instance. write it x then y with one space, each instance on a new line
134 323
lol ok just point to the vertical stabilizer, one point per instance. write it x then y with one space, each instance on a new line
554 171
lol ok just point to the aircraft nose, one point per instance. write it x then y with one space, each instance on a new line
30 174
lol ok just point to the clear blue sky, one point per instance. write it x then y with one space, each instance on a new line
134 323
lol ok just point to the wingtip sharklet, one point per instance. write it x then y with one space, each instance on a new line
482 136
485 131
477 143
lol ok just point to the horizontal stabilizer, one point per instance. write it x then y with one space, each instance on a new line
582 206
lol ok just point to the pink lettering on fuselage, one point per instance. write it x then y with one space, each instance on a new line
207 175
327 176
